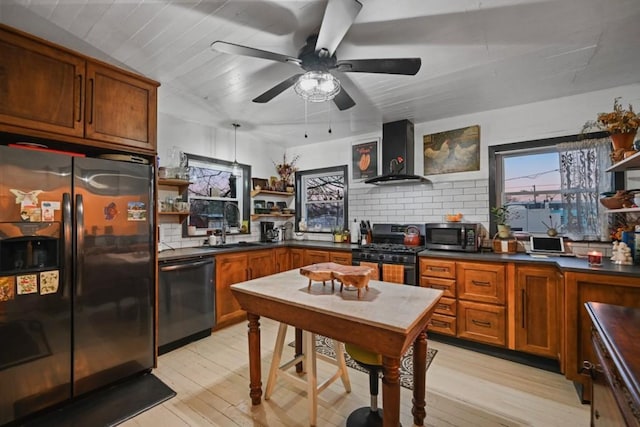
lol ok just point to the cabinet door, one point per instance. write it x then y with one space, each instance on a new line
482 282
312 256
297 258
536 312
120 108
261 263
343 258
40 86
230 269
283 259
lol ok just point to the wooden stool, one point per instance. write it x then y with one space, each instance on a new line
308 357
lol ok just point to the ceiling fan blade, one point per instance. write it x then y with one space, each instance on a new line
277 89
236 49
407 66
343 101
338 18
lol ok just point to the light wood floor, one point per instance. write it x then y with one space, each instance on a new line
464 388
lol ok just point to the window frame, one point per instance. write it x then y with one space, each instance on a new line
333 170
495 173
243 185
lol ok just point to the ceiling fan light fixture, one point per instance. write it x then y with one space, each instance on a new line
317 86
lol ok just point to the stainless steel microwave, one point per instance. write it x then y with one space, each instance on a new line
453 236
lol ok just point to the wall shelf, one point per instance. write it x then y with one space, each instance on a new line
254 193
623 210
276 215
630 162
180 184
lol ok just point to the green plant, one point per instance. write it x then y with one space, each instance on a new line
617 121
502 214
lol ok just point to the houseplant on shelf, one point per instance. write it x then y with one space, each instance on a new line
622 125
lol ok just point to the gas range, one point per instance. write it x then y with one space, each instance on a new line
387 245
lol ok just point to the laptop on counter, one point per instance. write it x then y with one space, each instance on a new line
547 246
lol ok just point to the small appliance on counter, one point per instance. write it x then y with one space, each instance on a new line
454 236
268 232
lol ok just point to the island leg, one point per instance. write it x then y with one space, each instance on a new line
419 378
391 391
255 370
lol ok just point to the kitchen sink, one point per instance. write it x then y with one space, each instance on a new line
233 245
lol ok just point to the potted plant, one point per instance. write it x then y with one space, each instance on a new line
337 235
622 125
502 216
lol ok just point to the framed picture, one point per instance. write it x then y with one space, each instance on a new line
455 150
259 184
365 159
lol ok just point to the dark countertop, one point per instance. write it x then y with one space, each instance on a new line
564 263
172 254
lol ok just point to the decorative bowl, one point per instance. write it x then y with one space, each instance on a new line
612 202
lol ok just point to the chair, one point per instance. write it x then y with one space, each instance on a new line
367 416
308 358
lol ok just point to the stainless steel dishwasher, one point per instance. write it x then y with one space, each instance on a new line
186 301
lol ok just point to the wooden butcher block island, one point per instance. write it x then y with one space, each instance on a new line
349 275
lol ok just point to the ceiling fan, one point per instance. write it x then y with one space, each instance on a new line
318 54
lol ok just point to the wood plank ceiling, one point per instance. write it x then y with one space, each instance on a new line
476 55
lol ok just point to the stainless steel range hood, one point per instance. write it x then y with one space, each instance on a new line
397 156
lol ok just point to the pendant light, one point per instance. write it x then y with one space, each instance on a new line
235 166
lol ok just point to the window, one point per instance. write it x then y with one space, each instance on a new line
217 198
553 183
321 199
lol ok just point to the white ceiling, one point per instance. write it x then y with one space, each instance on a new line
476 55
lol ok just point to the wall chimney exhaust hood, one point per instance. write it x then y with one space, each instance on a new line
397 156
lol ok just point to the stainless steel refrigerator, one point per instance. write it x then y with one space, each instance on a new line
76 276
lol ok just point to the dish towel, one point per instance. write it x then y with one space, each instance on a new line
375 274
393 273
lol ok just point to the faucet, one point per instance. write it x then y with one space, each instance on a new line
224 219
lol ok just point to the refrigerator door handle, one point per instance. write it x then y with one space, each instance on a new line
79 243
67 239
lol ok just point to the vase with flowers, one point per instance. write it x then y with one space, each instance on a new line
622 125
285 170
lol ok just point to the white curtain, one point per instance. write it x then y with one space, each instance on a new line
583 177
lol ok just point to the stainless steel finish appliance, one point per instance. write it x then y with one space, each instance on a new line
76 276
185 301
268 232
387 247
453 236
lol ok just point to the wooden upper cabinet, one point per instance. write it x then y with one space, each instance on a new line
50 92
41 87
120 108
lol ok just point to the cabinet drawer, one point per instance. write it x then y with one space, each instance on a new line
441 324
482 322
481 282
446 306
437 268
446 285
